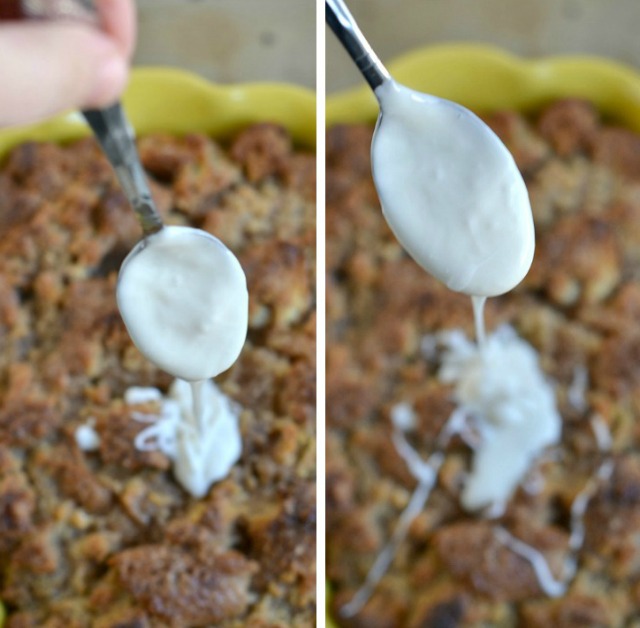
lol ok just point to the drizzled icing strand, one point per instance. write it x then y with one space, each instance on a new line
577 391
548 583
426 472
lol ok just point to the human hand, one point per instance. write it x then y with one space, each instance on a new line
51 66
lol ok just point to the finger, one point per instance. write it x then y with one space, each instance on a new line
118 19
50 67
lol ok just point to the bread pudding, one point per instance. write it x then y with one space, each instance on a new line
578 308
103 535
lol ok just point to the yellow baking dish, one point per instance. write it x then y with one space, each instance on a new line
174 101
484 79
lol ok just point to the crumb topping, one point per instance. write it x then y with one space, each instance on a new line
577 308
104 537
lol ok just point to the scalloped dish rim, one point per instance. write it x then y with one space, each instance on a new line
159 99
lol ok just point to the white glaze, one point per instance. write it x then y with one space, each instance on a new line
141 394
478 319
426 473
512 407
403 417
601 433
577 391
552 586
87 438
203 448
451 192
183 297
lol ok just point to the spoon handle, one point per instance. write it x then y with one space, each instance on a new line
77 10
115 135
346 30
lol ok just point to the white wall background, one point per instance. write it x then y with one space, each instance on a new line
247 40
230 40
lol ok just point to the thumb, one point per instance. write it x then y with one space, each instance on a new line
49 67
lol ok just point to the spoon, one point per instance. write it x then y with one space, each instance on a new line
82 10
449 188
181 292
115 136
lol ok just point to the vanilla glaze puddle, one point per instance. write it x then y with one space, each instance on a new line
494 475
200 435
